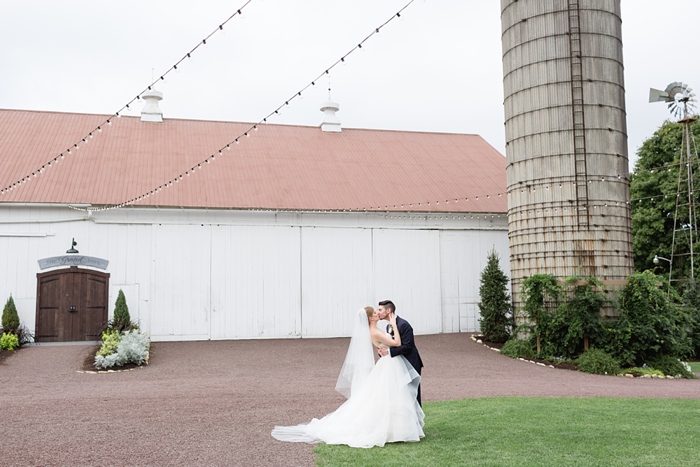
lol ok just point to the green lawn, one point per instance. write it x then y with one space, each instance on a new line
515 431
695 367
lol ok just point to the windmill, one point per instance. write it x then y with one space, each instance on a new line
681 104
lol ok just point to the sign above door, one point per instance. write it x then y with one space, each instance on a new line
73 260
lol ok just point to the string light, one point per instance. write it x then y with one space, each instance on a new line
117 114
254 128
294 96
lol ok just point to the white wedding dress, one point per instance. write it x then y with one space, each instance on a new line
381 407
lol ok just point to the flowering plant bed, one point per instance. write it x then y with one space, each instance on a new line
130 347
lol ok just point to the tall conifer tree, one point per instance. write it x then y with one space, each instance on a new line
495 306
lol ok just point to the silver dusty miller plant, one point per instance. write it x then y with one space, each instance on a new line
133 348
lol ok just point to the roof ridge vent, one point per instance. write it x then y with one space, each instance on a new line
151 112
330 120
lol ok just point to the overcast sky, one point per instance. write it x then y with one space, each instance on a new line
438 68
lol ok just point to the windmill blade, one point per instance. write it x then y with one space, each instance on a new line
676 109
681 100
675 88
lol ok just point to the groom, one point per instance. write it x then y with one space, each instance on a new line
407 348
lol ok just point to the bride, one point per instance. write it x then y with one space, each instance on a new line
381 406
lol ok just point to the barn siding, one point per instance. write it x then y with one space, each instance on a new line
198 274
407 271
337 276
255 282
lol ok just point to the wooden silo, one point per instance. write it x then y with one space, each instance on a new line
566 140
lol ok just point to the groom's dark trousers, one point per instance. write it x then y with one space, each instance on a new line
408 348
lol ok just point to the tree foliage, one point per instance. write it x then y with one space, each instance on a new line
651 329
541 294
122 320
650 325
495 306
585 300
691 305
10 318
653 190
564 317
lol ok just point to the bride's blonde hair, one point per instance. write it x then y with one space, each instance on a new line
370 311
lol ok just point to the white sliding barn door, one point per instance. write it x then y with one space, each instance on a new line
407 272
460 281
181 278
255 282
463 257
336 265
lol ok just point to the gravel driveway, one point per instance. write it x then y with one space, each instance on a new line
215 402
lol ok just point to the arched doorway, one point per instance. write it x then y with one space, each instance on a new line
71 305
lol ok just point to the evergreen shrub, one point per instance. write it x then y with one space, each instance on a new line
517 348
122 319
598 361
10 318
496 320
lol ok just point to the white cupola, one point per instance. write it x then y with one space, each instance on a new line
151 112
330 120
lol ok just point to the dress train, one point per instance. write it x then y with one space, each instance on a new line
383 410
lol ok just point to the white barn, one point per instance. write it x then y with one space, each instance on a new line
283 235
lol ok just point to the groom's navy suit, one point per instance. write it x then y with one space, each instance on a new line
407 348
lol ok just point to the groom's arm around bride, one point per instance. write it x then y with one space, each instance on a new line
407 348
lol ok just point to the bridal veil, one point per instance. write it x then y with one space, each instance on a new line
359 360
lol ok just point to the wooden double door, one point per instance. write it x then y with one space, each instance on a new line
71 305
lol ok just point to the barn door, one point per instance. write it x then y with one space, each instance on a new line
71 305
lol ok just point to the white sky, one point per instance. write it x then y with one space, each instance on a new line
437 69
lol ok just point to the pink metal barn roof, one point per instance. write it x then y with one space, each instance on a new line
278 167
